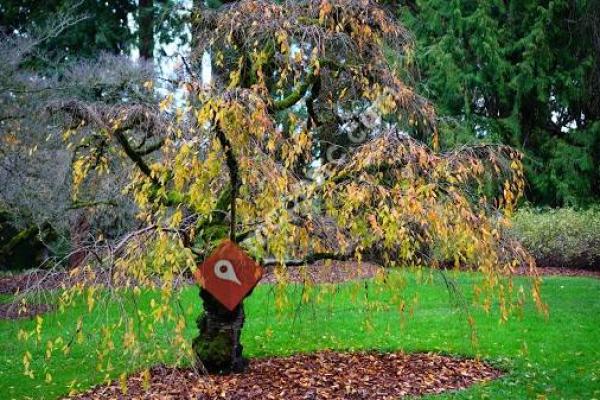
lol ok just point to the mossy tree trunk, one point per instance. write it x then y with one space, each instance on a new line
146 29
218 347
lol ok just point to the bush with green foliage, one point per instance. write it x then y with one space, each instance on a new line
560 237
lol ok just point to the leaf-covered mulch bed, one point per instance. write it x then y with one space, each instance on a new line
38 279
321 272
15 311
324 375
552 271
555 271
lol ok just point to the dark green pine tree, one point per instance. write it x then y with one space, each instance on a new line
521 72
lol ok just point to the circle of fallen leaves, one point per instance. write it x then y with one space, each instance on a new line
322 375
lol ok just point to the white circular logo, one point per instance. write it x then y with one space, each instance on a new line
224 270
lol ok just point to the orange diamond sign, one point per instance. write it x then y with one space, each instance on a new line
229 274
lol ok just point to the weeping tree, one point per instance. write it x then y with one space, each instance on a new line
302 148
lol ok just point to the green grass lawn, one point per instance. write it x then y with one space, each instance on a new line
555 358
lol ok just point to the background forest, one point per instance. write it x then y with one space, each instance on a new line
522 73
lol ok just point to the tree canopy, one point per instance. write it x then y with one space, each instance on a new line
250 157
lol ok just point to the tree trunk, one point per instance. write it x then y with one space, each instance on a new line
79 232
218 348
146 28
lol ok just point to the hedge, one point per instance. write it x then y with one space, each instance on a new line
565 238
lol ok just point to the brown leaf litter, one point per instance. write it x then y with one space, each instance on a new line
323 375
16 311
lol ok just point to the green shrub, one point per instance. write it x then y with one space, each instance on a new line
560 237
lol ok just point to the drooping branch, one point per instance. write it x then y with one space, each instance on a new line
151 148
136 117
132 154
123 242
12 117
297 93
90 204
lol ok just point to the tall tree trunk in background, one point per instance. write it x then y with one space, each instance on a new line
146 28
80 231
591 26
197 6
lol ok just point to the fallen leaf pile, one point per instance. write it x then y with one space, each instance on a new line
15 311
325 375
555 271
321 272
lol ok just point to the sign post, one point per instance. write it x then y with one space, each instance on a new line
229 274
